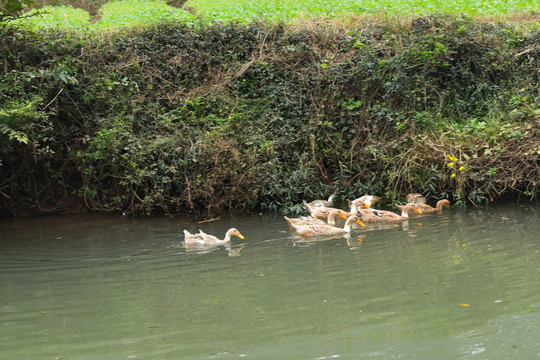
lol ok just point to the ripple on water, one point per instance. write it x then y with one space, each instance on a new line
463 284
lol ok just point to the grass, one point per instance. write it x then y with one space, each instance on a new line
115 14
247 10
52 17
137 13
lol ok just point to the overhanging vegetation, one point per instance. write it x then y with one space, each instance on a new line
233 117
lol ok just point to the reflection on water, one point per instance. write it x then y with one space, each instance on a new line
232 250
460 284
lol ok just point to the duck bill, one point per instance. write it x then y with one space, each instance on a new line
240 235
366 205
359 222
416 209
342 216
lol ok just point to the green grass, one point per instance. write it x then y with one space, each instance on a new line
137 13
247 10
51 17
115 14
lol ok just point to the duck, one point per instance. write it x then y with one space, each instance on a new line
321 212
379 216
323 203
308 230
369 200
425 208
359 207
205 239
415 198
309 220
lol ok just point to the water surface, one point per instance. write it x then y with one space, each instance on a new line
463 284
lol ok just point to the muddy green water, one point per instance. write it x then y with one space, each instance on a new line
464 284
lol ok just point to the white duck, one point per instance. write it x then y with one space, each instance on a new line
205 239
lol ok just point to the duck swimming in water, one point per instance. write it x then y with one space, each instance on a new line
309 230
382 216
425 208
415 198
321 212
369 200
323 203
309 220
205 239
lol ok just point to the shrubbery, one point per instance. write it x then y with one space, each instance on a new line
231 117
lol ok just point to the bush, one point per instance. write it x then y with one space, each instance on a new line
231 118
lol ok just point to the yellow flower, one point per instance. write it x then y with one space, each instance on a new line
453 175
451 164
461 168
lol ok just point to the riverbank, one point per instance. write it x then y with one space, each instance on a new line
236 118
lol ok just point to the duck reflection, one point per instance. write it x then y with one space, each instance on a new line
232 250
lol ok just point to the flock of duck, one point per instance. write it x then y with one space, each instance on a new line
322 218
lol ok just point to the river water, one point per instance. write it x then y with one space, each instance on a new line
463 284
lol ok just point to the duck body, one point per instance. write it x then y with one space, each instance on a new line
305 220
310 220
415 198
323 203
383 216
358 207
369 200
314 229
205 239
425 208
322 212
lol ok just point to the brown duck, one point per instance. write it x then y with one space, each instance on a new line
309 220
425 208
382 216
309 230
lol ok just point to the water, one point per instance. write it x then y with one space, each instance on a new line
464 284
